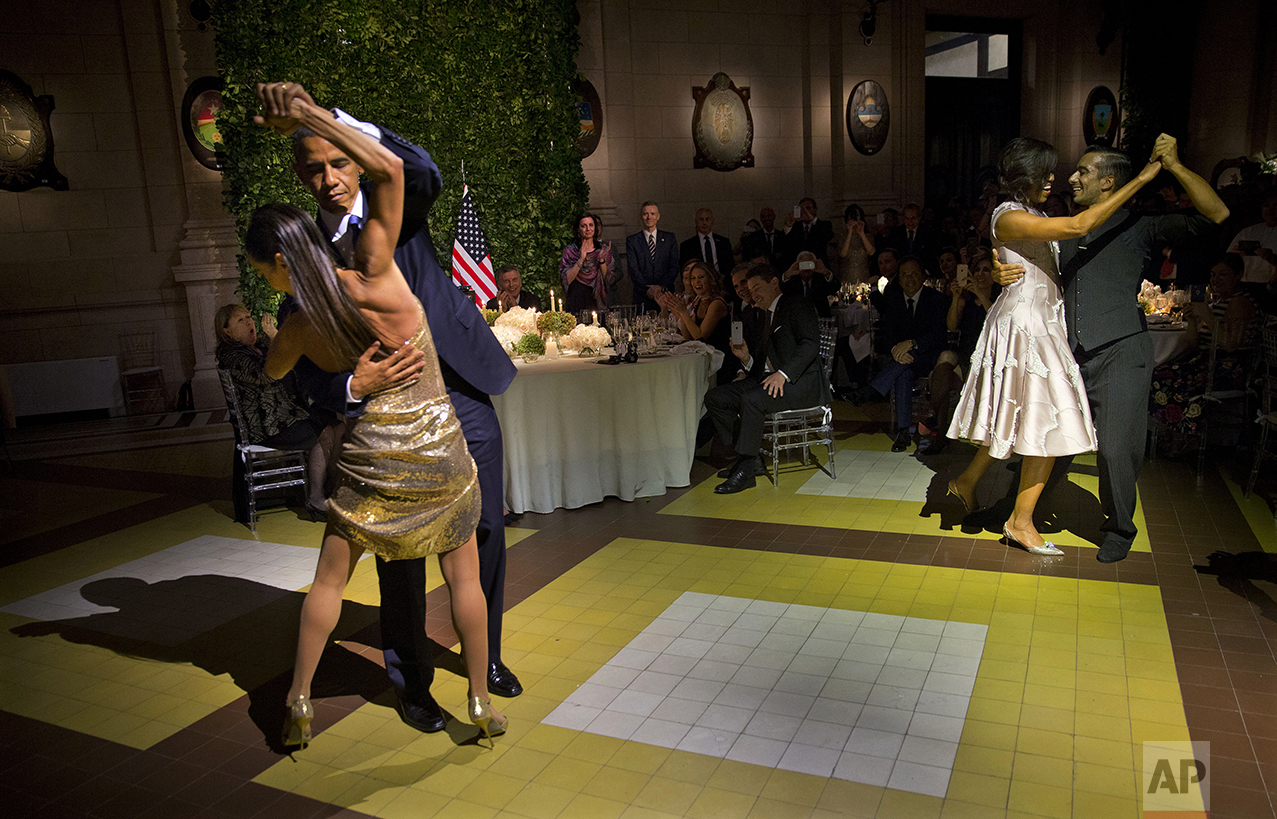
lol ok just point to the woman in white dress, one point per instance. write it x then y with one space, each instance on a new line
1023 393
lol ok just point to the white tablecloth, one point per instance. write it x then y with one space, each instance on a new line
577 431
1169 342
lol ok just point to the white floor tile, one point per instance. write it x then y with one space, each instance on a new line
924 779
773 726
575 717
654 682
809 760
726 718
638 703
936 727
699 690
615 724
713 670
924 751
660 733
758 751
870 770
874 743
685 712
823 734
707 741
877 718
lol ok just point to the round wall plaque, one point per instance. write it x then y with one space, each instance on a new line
591 111
722 126
1100 117
26 140
868 117
200 107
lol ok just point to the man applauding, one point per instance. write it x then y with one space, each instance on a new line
511 292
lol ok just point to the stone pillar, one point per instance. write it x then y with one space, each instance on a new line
207 268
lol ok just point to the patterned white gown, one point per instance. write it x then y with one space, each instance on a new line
1024 393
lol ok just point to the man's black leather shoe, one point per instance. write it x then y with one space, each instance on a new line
423 714
865 395
902 441
502 682
759 469
742 478
1112 552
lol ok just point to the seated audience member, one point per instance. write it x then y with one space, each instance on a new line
887 262
947 265
912 321
969 304
274 414
807 232
510 291
808 278
890 220
652 256
1257 244
706 317
767 243
857 247
785 372
750 316
1175 397
742 246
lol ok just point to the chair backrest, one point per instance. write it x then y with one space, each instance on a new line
828 338
137 349
232 405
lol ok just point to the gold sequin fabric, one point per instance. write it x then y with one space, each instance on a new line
408 486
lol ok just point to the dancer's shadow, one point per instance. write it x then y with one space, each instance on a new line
1238 573
1064 505
224 625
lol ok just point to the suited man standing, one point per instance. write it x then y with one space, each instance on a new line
769 243
652 256
709 247
808 278
1101 274
783 373
807 233
474 367
913 322
910 238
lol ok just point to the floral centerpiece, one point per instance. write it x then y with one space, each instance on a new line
555 324
491 316
1148 296
512 325
586 337
530 346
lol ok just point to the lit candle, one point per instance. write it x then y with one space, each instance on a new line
551 301
595 313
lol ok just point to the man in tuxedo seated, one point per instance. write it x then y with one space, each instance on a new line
784 372
511 292
807 232
750 316
808 278
912 318
709 247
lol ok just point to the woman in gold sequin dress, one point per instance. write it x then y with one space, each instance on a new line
408 485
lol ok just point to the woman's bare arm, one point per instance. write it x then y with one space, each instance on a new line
1018 225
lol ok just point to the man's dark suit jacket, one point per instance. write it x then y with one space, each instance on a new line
816 239
526 300
926 327
691 249
1099 298
756 244
751 319
924 244
646 271
818 293
793 347
471 358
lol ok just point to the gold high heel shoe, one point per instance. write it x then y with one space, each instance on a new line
481 715
953 490
1048 548
297 725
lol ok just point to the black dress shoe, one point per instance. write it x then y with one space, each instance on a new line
422 713
759 469
502 682
865 395
1112 552
742 478
902 441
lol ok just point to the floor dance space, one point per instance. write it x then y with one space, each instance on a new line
824 648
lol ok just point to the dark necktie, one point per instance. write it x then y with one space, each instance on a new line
911 240
651 246
771 243
806 231
913 303
707 247
353 228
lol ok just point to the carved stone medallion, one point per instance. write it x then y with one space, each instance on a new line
722 126
868 117
26 141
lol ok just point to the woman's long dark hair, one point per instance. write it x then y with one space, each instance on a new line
598 228
1025 167
291 232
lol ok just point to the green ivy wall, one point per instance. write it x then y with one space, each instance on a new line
484 83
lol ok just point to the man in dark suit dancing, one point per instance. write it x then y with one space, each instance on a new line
474 367
652 256
913 321
1101 274
785 373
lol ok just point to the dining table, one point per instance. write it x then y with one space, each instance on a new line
577 430
1170 340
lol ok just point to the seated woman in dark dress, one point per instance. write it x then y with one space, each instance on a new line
274 413
586 267
1175 397
705 318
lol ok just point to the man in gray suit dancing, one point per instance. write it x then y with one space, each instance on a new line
1101 274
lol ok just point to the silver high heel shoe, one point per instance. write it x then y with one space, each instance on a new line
297 725
1048 548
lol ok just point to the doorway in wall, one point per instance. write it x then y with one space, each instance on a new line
972 102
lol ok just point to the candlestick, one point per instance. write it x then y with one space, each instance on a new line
595 313
551 301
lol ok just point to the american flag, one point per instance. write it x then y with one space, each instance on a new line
471 264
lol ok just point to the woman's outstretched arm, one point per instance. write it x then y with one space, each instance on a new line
1018 225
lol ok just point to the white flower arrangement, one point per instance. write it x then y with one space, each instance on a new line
585 335
522 319
507 335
